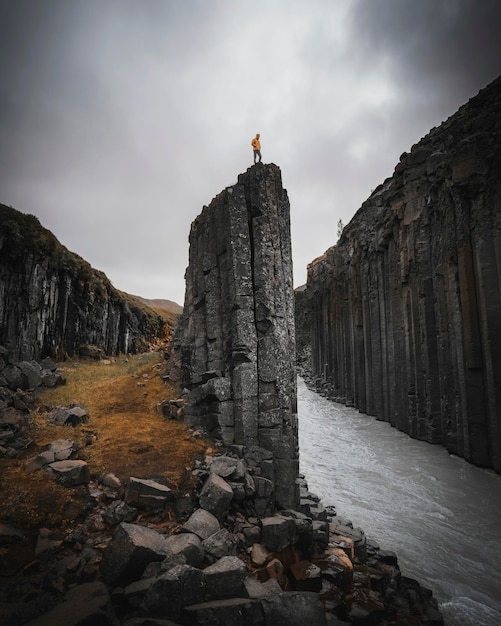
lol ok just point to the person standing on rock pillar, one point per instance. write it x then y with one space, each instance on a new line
256 146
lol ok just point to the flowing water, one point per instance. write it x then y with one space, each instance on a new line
441 515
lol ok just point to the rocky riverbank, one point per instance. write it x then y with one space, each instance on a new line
143 554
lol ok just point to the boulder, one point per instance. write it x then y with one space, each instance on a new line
48 364
119 511
256 589
72 415
293 608
216 496
221 543
233 611
277 532
202 523
32 371
259 555
130 550
52 379
58 450
225 578
159 568
182 585
171 409
228 467
70 473
339 567
307 576
15 378
144 493
135 593
84 604
110 481
188 545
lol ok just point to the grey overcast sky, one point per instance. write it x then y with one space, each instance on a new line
120 119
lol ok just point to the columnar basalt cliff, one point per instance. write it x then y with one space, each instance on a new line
406 308
53 303
236 339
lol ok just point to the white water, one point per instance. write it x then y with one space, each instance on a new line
441 515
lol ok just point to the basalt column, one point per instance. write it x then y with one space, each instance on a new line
406 308
236 338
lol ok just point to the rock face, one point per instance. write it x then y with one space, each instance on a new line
236 340
406 308
52 302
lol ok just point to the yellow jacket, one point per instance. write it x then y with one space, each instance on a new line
256 144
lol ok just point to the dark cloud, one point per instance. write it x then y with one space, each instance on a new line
432 45
120 119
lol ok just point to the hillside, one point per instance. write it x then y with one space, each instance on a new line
167 309
54 303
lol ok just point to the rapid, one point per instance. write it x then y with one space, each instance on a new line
440 514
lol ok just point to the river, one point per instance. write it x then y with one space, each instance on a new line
440 514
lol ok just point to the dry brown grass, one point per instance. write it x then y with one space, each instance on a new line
132 439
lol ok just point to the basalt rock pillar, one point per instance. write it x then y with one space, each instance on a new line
236 340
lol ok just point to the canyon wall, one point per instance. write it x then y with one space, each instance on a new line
235 342
406 309
53 303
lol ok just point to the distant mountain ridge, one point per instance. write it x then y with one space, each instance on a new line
53 302
158 303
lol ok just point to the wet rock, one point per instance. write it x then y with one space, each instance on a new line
130 550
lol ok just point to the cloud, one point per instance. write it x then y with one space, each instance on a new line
120 119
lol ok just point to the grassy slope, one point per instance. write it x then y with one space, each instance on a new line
132 439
